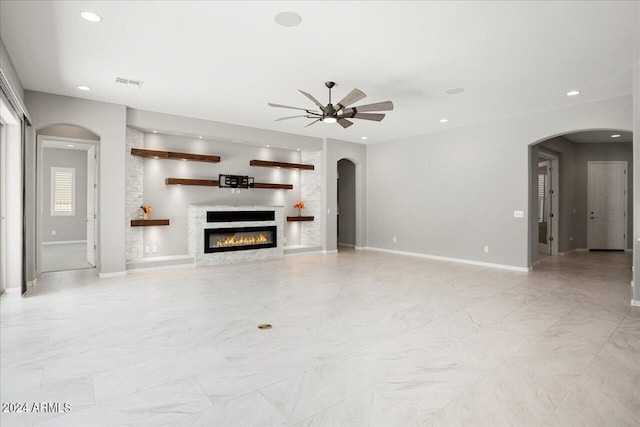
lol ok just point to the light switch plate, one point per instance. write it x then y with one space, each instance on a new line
518 214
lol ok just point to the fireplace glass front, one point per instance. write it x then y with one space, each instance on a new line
239 238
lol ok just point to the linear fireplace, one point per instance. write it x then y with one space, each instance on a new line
239 238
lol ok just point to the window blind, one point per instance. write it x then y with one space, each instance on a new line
62 191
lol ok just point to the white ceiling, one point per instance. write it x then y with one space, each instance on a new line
599 136
224 61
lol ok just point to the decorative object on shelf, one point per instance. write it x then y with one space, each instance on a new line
158 154
339 112
148 222
299 205
216 183
286 165
145 211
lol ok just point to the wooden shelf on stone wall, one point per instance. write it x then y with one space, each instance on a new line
272 186
158 154
190 181
299 218
270 164
148 222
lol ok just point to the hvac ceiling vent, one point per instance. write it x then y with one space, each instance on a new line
129 82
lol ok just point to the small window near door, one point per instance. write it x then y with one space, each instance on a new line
542 192
63 186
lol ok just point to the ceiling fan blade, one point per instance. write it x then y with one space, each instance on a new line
353 96
271 104
368 116
315 101
378 106
344 123
291 117
315 121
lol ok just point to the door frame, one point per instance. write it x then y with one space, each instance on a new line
40 193
626 199
555 198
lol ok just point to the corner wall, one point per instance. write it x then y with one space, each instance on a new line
108 121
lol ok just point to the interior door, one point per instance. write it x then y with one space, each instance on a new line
607 195
91 206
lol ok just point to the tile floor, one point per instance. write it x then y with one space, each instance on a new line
64 256
359 339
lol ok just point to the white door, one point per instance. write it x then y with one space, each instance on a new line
91 206
607 205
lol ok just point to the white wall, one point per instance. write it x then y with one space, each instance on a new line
636 175
453 192
108 121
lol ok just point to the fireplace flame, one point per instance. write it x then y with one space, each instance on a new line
242 240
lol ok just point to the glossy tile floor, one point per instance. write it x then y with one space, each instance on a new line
360 338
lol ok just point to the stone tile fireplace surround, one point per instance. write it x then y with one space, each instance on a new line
197 224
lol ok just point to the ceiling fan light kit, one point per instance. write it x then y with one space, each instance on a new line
341 112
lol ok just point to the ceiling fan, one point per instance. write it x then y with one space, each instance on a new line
340 112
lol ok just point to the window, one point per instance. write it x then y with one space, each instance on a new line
63 190
542 192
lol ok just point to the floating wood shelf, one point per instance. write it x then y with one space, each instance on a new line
299 218
273 186
158 154
189 181
270 164
148 222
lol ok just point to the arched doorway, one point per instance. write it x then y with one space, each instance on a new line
346 212
578 193
66 198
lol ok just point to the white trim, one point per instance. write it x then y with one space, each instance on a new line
64 242
349 245
12 290
334 251
360 248
458 260
635 302
162 267
109 275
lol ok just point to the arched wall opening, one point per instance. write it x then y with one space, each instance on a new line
573 225
66 240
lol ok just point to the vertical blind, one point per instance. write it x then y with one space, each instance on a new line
62 191
542 192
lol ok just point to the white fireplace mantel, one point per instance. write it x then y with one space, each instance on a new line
197 223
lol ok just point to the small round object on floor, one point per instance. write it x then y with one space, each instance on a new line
264 326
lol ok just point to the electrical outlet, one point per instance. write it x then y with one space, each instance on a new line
53 232
146 249
328 211
284 240
395 239
570 239
518 214
154 249
486 249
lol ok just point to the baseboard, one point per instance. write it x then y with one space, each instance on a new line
628 250
110 275
569 252
359 248
334 251
64 242
303 253
162 267
349 245
582 249
458 260
14 290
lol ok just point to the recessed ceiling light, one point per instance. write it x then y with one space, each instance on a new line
70 145
363 137
455 91
91 16
573 93
199 137
444 120
268 146
83 87
298 149
288 19
155 131
617 135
